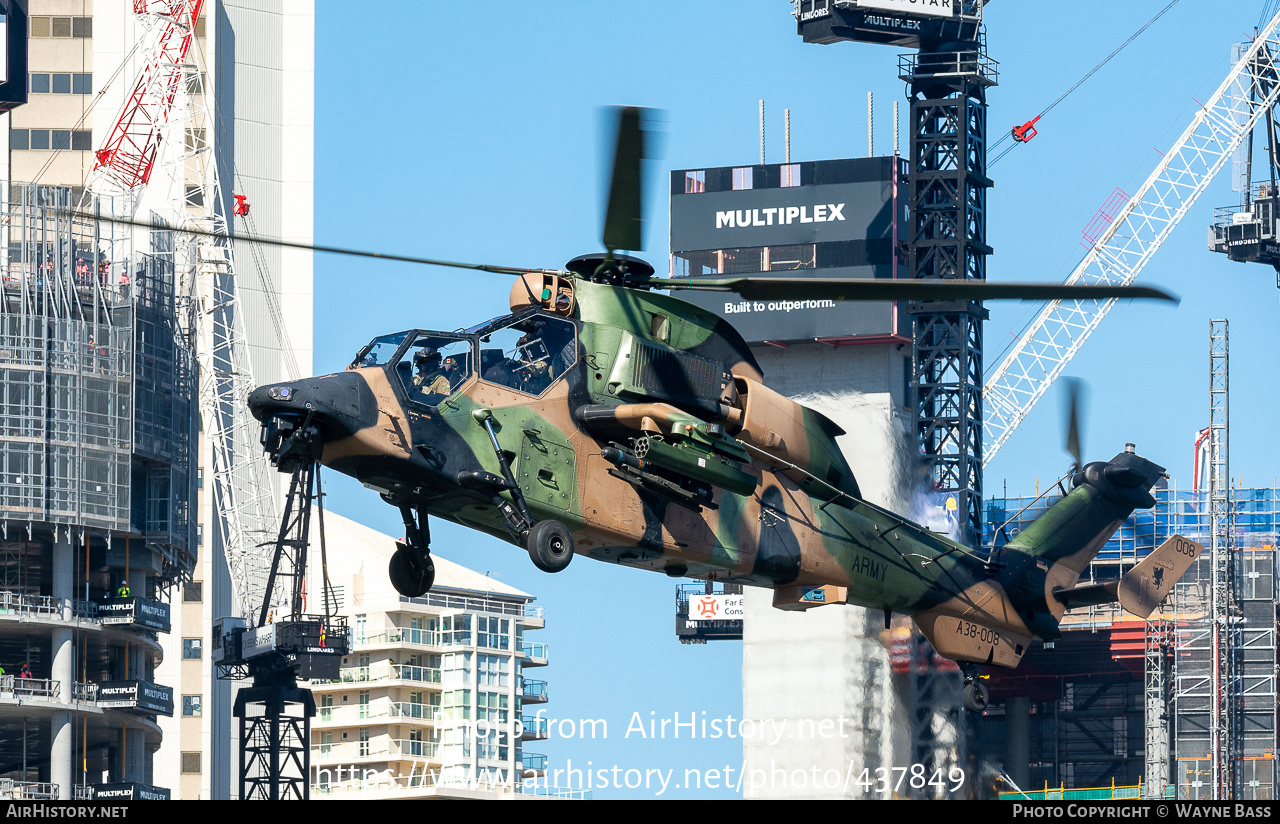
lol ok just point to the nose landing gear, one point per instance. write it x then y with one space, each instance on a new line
550 546
411 570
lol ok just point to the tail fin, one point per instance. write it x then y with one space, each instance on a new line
1143 588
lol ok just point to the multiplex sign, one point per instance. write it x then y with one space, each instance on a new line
785 215
932 8
781 216
715 608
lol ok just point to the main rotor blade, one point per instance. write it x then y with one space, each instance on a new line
624 213
310 247
809 288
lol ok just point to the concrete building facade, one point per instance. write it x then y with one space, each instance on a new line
439 694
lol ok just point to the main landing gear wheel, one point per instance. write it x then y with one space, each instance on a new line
550 546
411 574
975 696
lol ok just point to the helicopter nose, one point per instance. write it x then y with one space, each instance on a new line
337 405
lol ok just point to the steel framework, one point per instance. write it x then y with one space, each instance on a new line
948 218
128 155
169 104
1142 225
1223 720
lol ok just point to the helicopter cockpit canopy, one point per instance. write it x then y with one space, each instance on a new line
429 366
527 352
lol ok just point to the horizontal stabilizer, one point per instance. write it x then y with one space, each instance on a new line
1143 588
1088 595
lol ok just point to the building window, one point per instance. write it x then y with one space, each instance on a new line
61 83
196 140
79 140
61 26
192 649
455 630
790 175
742 178
191 763
494 633
193 591
456 705
191 706
695 182
364 742
455 669
492 671
364 703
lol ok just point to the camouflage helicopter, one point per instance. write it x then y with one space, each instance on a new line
600 417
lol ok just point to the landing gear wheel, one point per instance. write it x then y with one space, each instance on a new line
411 575
550 546
975 696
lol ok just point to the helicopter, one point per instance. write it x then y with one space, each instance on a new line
604 417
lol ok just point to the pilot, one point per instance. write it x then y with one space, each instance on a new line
429 377
554 345
558 338
531 362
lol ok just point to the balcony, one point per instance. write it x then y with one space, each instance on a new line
419 712
401 636
534 692
28 790
408 748
533 764
471 604
26 688
379 748
535 655
46 607
389 672
534 728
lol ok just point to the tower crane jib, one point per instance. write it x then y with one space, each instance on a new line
1142 225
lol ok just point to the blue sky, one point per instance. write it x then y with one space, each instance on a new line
470 132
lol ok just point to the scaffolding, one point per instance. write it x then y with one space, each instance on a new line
1255 517
96 380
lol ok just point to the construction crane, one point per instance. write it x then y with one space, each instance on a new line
168 104
1141 225
167 115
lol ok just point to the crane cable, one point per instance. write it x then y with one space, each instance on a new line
1078 83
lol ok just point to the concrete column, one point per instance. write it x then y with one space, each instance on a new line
1017 739
135 757
62 669
831 704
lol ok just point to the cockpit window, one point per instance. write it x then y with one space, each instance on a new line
380 350
530 354
433 367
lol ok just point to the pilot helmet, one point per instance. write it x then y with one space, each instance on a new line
423 357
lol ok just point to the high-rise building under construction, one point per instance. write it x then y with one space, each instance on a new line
110 551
